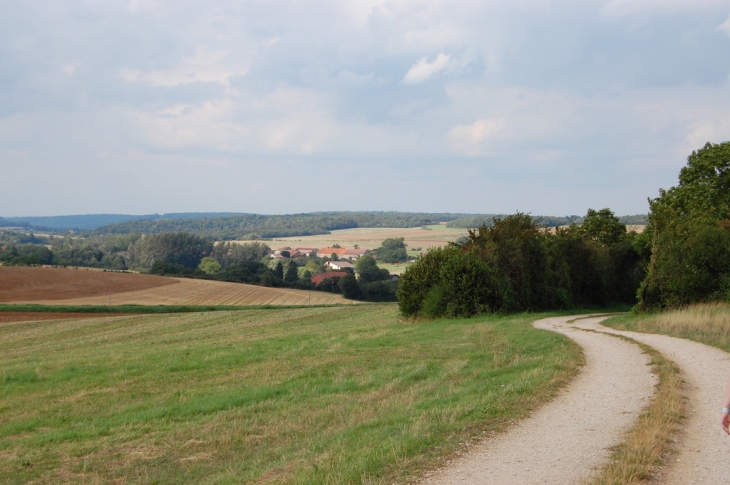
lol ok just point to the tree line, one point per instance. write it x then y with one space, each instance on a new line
517 265
256 226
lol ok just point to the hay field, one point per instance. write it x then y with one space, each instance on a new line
51 286
370 238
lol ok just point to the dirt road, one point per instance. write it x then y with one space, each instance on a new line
570 437
704 448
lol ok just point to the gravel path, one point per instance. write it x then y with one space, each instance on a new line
704 448
570 437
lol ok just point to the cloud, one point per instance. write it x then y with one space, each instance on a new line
205 66
422 70
469 138
725 27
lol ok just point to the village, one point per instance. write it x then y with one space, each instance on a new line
338 261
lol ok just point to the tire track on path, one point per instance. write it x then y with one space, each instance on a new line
571 436
704 448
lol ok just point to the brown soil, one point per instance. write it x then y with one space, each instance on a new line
51 286
6 317
37 284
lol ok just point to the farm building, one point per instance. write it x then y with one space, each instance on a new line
339 265
320 277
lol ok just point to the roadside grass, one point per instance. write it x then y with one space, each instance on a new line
646 446
708 323
287 396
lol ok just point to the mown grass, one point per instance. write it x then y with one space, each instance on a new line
646 446
292 396
708 323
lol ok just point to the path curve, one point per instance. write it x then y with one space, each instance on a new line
570 437
704 449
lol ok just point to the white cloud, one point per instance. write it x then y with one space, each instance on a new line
469 138
725 27
186 126
204 66
422 70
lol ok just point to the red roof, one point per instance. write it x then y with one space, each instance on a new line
320 277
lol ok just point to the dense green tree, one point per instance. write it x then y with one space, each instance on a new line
392 250
349 287
209 266
367 269
291 274
603 227
176 248
690 234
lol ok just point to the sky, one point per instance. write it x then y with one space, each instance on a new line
290 106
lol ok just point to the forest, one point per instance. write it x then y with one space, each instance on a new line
256 226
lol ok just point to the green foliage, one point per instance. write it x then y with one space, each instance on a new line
175 248
516 265
26 254
231 254
603 227
368 271
291 274
349 287
209 266
392 250
690 234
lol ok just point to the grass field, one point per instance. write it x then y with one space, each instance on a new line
56 286
706 323
305 396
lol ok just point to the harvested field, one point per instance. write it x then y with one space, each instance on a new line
370 238
36 284
172 291
6 317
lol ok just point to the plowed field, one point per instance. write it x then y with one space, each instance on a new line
35 284
52 286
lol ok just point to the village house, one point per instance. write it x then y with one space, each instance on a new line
339 265
320 277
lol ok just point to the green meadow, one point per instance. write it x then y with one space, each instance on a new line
293 396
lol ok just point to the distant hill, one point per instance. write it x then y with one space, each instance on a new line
89 222
550 221
256 226
236 225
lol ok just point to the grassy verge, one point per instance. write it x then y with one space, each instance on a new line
143 308
707 323
646 446
287 396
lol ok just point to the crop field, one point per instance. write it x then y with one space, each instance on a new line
34 284
370 238
284 396
53 286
